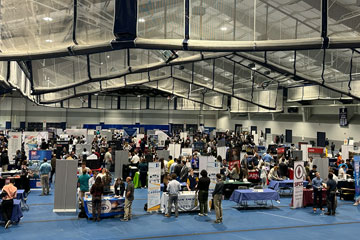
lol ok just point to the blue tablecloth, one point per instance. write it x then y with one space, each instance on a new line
110 206
276 185
183 184
20 194
254 195
16 214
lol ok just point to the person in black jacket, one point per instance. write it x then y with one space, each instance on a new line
203 189
119 187
217 197
4 160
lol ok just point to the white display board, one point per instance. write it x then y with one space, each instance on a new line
14 144
221 151
345 149
154 181
175 150
139 136
186 152
161 137
33 138
298 187
305 153
183 135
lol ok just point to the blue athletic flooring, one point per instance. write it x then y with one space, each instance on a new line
281 222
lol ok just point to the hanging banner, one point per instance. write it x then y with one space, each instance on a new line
14 144
298 187
356 176
153 203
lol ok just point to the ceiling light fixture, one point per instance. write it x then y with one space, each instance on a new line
96 94
291 59
223 28
206 78
141 20
48 40
48 19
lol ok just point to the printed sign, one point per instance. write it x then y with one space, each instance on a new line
298 187
356 175
154 176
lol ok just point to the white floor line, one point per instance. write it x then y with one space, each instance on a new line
285 217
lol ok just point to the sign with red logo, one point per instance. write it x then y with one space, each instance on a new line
298 187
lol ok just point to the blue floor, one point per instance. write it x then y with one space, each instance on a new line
281 222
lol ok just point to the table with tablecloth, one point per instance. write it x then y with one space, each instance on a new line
16 214
183 185
110 206
244 195
230 186
276 185
186 202
308 197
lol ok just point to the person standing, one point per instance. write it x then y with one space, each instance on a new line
203 188
263 175
83 183
317 187
25 177
191 181
108 159
143 168
9 193
173 189
45 170
332 149
129 198
4 160
331 195
217 197
92 180
97 190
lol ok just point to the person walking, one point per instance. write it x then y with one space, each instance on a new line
9 193
96 191
108 159
45 169
317 187
331 195
203 189
129 198
173 189
217 197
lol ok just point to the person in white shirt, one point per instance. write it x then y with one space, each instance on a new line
263 174
92 179
82 168
173 189
342 174
273 174
135 159
108 159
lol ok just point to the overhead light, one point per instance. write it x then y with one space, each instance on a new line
101 63
108 56
141 20
291 59
138 96
96 94
48 40
206 79
48 19
227 74
14 89
253 68
251 65
223 28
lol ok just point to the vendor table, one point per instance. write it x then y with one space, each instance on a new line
308 197
186 202
110 206
277 185
230 186
243 196
16 214
183 185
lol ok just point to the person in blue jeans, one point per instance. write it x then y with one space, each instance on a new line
317 183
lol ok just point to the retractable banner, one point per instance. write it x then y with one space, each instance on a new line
356 175
298 187
154 174
14 145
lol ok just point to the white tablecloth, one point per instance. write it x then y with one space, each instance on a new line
186 202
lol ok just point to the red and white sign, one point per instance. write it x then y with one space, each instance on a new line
298 187
232 163
316 150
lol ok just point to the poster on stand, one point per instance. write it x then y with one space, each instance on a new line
298 187
221 151
33 139
40 154
154 174
356 175
186 152
175 150
14 144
